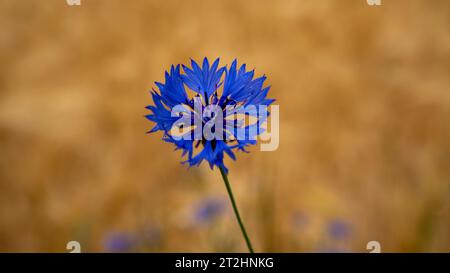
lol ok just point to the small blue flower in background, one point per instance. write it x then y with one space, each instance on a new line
208 210
238 89
339 229
119 242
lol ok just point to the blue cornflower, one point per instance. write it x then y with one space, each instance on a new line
232 90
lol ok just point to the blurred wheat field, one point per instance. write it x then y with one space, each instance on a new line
364 95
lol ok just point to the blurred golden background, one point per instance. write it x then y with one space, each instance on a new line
364 95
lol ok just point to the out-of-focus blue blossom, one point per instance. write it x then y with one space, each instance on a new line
339 229
119 242
208 210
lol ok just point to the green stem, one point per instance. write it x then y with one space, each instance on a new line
236 212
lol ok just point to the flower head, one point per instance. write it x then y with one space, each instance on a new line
226 112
